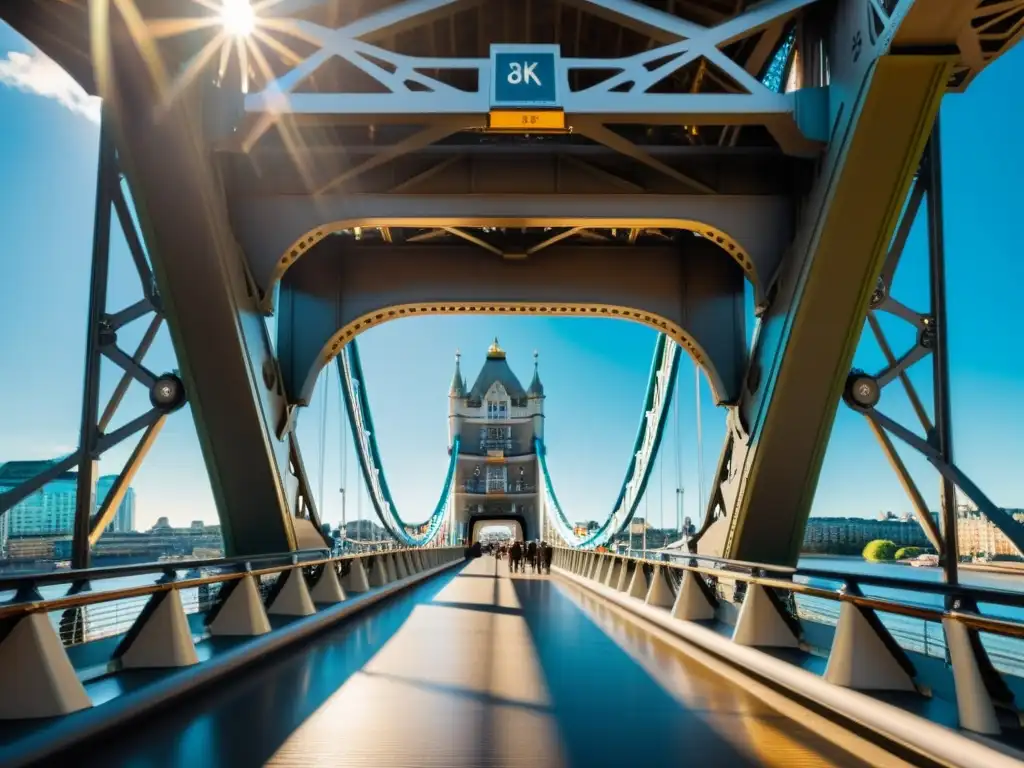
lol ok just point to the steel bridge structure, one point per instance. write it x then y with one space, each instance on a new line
665 162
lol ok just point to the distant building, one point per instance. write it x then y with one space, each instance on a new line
364 530
849 535
977 535
51 509
497 476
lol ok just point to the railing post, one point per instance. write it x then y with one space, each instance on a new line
659 594
355 580
292 598
35 673
161 636
241 612
973 703
860 658
760 621
327 590
638 584
692 603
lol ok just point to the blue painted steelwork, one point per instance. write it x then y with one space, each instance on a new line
774 78
361 422
660 386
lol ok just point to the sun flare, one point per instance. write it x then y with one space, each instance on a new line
238 17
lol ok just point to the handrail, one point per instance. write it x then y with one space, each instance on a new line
996 596
20 581
17 608
970 619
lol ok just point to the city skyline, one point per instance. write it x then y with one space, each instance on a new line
594 371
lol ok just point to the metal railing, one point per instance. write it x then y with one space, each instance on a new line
91 604
781 577
817 603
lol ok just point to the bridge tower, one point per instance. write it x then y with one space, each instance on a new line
497 419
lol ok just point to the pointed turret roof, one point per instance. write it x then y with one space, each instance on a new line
458 388
496 370
536 388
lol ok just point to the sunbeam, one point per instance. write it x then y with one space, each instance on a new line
238 18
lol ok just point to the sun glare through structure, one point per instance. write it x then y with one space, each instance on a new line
237 17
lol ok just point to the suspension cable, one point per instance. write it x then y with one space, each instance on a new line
679 461
342 417
359 511
700 451
647 516
324 396
661 501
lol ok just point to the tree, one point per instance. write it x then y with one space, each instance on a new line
906 553
880 549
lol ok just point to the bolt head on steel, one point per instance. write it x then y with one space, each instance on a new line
862 391
879 294
168 393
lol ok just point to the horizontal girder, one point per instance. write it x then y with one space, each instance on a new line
982 31
683 76
276 232
691 291
490 165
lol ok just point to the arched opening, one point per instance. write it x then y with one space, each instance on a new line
684 289
515 524
497 533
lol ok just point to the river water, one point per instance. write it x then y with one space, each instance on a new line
1007 654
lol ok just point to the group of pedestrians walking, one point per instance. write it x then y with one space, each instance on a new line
535 554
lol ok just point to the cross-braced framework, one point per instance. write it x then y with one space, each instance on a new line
706 75
166 391
995 25
863 391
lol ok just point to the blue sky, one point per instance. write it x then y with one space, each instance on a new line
594 371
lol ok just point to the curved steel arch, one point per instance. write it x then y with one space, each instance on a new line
360 420
729 245
660 388
685 291
667 329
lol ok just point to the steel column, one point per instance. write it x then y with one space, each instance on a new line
227 361
88 442
808 336
942 436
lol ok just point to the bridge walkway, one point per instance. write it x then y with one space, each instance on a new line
477 668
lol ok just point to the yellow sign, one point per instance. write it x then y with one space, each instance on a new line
527 121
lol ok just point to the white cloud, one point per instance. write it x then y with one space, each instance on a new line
35 73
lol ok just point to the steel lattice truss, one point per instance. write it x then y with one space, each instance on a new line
864 391
167 393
